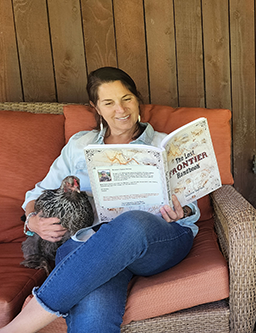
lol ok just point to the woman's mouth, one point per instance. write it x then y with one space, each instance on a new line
123 118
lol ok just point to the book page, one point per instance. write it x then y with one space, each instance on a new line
126 178
193 168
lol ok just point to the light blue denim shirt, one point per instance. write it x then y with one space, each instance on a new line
72 162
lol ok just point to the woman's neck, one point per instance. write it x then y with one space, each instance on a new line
123 138
114 139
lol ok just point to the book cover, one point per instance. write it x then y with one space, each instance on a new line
192 165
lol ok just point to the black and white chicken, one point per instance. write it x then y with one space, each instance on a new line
74 211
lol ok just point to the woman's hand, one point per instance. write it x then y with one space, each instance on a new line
49 228
172 215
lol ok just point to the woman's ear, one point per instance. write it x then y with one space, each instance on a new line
94 106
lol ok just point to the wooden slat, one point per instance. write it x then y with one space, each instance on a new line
99 33
130 40
34 50
189 52
216 53
242 18
68 50
161 52
10 83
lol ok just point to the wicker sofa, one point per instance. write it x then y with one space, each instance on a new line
32 140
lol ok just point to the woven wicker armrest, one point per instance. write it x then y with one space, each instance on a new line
235 222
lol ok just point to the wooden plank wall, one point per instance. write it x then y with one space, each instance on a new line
180 53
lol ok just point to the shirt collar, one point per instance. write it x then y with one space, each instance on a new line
145 138
100 138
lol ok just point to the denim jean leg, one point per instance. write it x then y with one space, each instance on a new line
66 249
102 310
164 253
93 313
125 242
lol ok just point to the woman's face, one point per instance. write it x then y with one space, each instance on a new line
118 106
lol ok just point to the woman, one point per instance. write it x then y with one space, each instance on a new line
89 283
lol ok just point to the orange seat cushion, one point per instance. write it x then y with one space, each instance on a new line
202 277
166 119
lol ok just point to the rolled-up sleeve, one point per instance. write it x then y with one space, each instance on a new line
190 221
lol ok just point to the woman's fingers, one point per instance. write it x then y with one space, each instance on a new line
171 215
47 228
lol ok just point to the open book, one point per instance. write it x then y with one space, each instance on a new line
139 177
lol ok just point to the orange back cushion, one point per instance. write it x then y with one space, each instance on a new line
167 119
29 144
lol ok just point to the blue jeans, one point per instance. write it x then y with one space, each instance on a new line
89 284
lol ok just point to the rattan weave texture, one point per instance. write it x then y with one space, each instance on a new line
207 318
55 108
236 228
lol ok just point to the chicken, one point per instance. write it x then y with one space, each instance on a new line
74 211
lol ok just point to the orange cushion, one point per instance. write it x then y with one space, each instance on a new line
167 119
16 281
29 144
205 207
219 124
78 118
202 277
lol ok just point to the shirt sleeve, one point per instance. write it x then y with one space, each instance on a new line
190 221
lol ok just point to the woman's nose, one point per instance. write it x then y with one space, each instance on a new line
120 107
